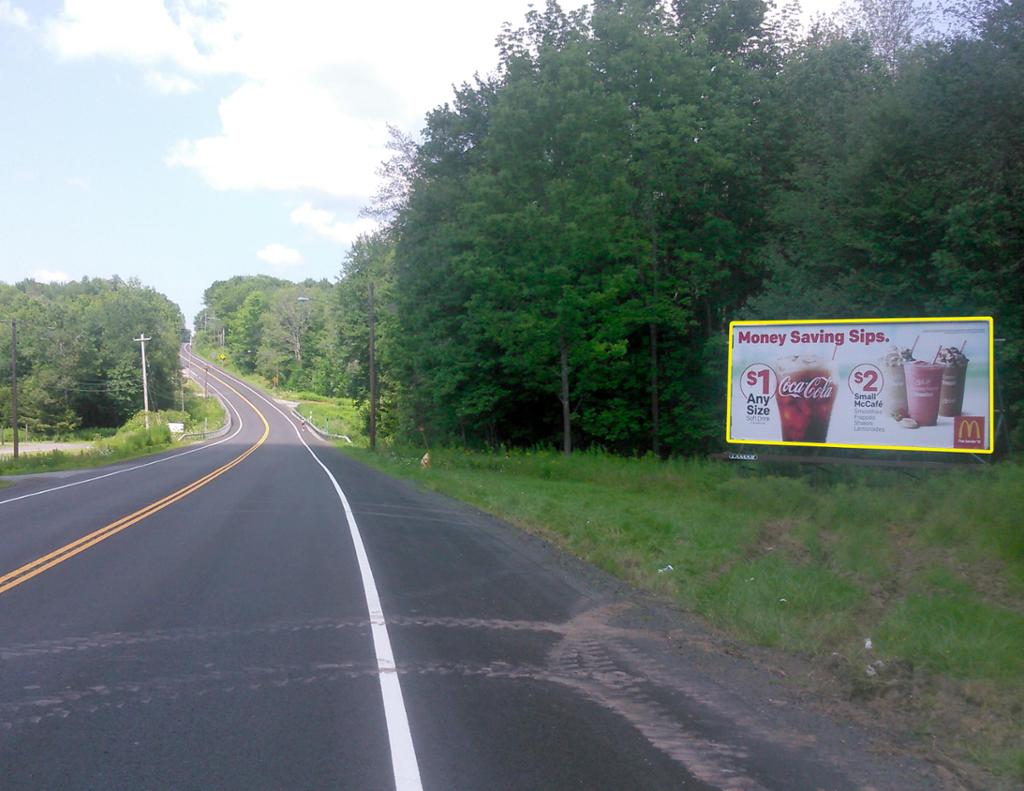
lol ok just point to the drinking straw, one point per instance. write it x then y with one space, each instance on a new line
962 345
834 350
914 346
936 359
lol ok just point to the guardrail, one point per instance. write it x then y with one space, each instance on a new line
324 434
216 433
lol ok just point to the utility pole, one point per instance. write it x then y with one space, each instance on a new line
373 376
145 384
14 384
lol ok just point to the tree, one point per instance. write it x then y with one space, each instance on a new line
78 364
889 212
245 331
892 27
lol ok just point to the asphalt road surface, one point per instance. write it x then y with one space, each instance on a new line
261 612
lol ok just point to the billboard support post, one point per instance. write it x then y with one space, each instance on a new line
1001 426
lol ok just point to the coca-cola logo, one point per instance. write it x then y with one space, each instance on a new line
818 387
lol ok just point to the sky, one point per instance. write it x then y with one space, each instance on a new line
187 141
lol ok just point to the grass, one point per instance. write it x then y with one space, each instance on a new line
130 441
84 435
773 602
930 568
334 416
204 414
957 634
126 444
78 435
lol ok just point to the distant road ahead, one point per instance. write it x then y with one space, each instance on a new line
232 618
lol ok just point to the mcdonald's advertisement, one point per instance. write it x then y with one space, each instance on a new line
920 384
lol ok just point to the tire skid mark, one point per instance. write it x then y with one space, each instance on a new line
406 519
116 696
358 506
755 726
620 644
711 762
104 641
591 657
582 661
42 705
497 624
595 679
256 677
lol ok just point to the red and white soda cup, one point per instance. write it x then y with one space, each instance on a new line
806 393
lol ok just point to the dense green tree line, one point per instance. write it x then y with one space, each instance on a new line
78 365
273 327
563 249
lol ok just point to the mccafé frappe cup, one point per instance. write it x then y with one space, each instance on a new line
805 396
894 391
954 377
924 381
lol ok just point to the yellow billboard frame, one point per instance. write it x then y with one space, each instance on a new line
991 384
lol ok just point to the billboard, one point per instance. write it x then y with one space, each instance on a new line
886 384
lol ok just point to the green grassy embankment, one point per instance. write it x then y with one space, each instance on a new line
930 568
130 441
204 414
338 416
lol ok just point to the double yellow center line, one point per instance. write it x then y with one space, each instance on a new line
24 573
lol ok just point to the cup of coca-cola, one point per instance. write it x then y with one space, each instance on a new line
805 395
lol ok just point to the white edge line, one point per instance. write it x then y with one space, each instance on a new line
137 466
403 753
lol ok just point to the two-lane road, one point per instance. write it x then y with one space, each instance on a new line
265 613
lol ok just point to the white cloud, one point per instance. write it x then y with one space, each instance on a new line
325 223
280 256
169 83
79 183
319 80
139 31
46 276
286 136
10 14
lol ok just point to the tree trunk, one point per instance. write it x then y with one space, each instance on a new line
373 372
653 328
655 405
563 359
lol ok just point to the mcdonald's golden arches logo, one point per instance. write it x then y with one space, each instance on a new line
969 432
